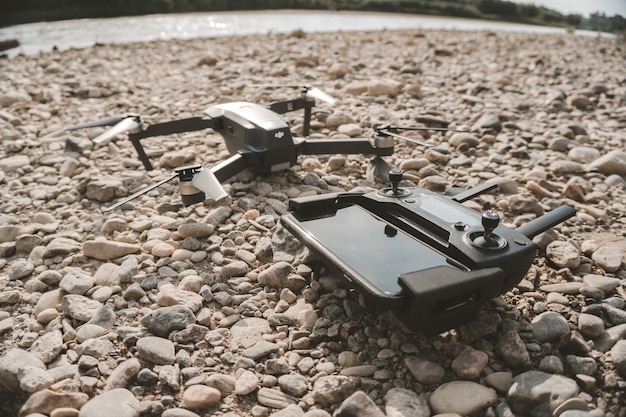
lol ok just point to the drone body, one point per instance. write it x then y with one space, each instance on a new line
257 131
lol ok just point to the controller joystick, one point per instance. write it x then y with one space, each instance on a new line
487 239
395 176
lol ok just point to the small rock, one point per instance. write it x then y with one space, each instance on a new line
106 249
590 326
424 372
613 162
401 402
618 354
358 404
293 384
46 401
462 397
274 398
333 389
469 363
48 346
513 350
123 374
563 254
79 307
608 258
197 397
117 402
538 394
164 320
156 350
246 383
549 327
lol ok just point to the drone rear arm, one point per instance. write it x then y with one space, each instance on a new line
300 103
168 128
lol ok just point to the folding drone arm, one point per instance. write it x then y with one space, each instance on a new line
168 128
195 182
378 146
282 107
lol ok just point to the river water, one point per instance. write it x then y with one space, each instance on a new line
81 33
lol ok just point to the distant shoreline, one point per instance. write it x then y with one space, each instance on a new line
34 38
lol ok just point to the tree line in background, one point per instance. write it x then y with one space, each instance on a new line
25 11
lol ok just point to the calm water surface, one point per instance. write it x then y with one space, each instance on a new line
81 33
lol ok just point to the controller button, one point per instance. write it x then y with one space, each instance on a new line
520 241
409 200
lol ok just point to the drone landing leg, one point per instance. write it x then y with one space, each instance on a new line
141 153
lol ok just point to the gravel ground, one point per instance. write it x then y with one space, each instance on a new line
156 309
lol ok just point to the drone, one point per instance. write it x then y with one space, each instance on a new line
256 136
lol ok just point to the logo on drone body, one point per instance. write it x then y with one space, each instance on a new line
279 134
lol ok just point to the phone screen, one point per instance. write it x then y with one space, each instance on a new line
372 248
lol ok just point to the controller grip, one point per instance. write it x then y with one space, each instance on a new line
442 297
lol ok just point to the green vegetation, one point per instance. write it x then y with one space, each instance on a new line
24 11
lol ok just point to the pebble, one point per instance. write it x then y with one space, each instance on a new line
156 350
590 326
333 389
424 372
274 398
164 320
563 254
246 383
462 397
513 350
469 364
116 402
402 402
606 284
549 327
45 401
123 374
359 404
618 354
539 394
197 397
105 250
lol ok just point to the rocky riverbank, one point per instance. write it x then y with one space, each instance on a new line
156 309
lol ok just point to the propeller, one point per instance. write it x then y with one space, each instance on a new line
195 184
129 124
121 124
389 130
109 121
306 89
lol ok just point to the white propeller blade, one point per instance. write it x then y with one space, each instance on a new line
319 94
128 124
205 181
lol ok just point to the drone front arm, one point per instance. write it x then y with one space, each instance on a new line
344 146
169 128
230 167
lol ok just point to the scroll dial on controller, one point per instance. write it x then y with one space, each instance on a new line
487 239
